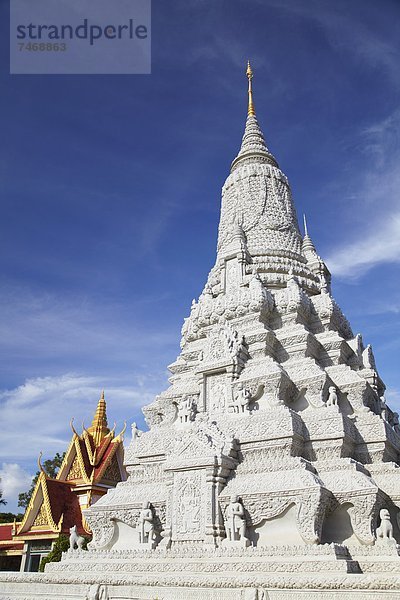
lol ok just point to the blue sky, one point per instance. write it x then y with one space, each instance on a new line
110 192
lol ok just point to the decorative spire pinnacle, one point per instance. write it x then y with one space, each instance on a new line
99 428
308 245
253 148
251 112
305 225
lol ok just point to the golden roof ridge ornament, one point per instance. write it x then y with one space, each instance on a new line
71 424
39 462
111 433
251 111
120 436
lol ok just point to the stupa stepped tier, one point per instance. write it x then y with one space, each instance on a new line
271 466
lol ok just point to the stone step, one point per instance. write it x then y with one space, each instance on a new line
278 586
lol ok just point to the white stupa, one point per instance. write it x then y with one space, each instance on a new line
270 469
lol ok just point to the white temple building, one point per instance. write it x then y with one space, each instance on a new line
271 466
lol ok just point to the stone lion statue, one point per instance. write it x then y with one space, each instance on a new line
385 529
75 539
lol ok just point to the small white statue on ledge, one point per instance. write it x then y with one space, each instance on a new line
235 523
75 539
332 397
136 433
385 530
145 525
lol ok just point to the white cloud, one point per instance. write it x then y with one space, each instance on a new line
13 481
36 415
65 332
374 203
379 245
68 323
393 398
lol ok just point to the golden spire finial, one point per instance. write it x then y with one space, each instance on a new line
251 112
99 428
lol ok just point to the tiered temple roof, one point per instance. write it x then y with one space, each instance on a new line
92 465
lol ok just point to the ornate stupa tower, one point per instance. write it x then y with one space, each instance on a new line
257 205
271 464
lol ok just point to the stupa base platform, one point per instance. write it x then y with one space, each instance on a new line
186 573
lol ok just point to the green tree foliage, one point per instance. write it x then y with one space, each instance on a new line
51 467
60 545
7 517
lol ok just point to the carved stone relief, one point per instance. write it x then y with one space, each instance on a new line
188 500
217 393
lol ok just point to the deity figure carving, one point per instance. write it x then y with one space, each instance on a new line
75 539
385 529
241 401
145 525
237 349
332 397
186 409
235 522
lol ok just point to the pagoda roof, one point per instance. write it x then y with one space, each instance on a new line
94 460
92 452
53 509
